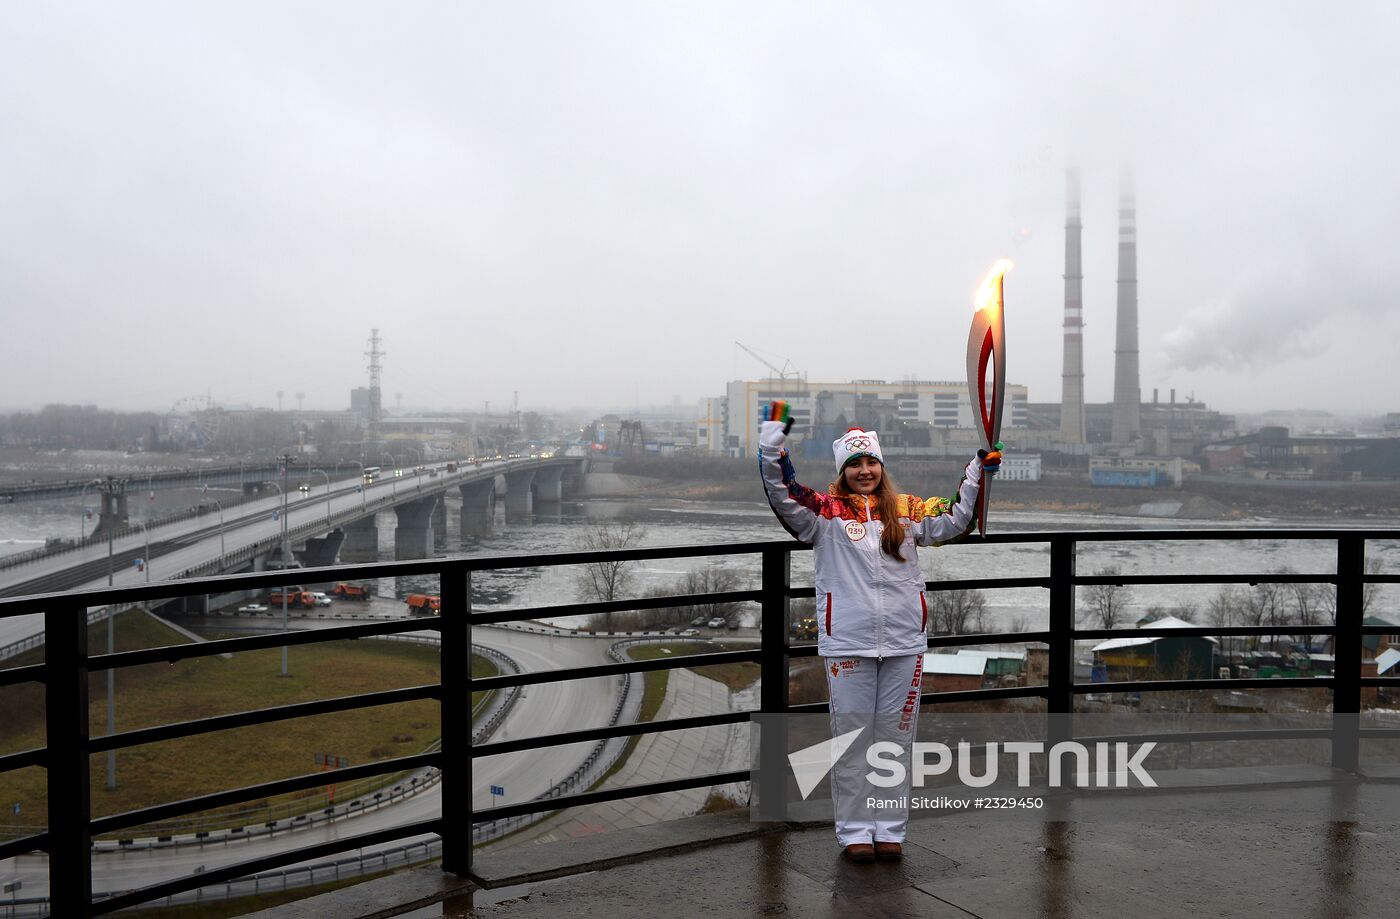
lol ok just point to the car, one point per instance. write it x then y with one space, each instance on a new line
320 598
689 633
718 622
699 620
734 623
253 608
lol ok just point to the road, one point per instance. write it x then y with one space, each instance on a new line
545 708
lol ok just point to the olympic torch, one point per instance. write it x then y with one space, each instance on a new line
986 343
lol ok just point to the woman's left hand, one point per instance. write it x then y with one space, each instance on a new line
991 462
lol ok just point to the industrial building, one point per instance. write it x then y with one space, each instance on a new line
912 416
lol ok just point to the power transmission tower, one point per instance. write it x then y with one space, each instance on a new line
375 355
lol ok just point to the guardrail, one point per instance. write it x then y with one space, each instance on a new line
68 839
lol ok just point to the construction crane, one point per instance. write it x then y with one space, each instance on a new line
784 373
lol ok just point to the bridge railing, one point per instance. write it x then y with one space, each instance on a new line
69 745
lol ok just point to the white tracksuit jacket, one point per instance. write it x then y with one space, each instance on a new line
868 604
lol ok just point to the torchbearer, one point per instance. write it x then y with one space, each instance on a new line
986 341
871 611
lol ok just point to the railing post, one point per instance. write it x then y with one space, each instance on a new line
455 706
771 781
69 791
1346 686
1059 699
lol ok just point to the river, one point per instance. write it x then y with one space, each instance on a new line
674 522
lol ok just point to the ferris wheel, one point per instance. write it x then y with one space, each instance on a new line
193 422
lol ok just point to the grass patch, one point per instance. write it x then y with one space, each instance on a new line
735 676
242 906
190 690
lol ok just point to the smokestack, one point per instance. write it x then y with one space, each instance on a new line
1127 397
1072 378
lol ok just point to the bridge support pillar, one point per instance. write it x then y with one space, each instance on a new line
478 506
361 541
113 512
519 502
413 537
440 519
549 485
572 476
321 551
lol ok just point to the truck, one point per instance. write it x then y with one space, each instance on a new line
452 466
344 591
806 627
296 598
424 604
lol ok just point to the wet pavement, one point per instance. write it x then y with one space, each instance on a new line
1329 850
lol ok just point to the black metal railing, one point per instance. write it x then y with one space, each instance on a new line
69 835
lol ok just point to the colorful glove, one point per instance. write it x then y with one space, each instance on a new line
991 462
778 410
777 422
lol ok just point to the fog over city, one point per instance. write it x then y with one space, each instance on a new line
590 203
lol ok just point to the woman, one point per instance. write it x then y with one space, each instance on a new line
871 613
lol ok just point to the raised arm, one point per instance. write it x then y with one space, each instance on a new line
796 506
938 520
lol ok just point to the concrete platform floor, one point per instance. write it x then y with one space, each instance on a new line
1330 850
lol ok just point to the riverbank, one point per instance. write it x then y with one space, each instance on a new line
1326 503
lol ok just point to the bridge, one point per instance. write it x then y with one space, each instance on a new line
330 523
1325 829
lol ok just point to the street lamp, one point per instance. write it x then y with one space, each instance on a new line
323 472
393 464
286 556
82 525
110 489
219 505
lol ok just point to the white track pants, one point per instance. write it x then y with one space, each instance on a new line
858 688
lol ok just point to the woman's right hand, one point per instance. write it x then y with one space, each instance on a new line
772 434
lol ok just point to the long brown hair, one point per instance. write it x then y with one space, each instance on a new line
886 508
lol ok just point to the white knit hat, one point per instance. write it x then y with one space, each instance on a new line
854 443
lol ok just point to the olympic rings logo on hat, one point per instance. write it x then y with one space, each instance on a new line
856 443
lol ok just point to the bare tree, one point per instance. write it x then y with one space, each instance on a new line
1226 610
956 612
711 579
608 579
1265 605
1107 604
1327 595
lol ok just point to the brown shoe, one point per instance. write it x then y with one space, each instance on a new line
889 851
862 852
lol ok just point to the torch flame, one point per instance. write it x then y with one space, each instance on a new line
989 293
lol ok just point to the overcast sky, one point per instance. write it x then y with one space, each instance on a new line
590 202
